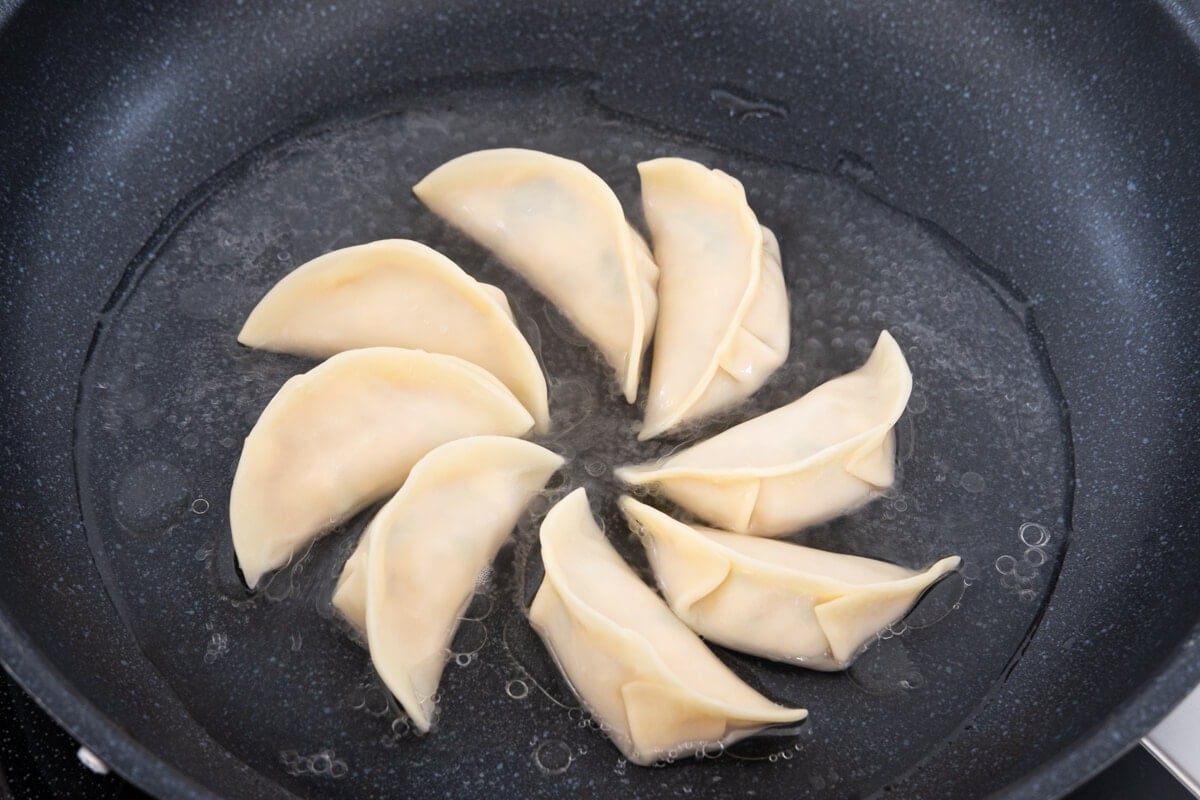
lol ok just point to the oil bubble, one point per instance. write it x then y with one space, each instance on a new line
553 757
376 702
218 646
1035 556
480 607
470 637
200 506
1005 565
517 689
1033 534
972 482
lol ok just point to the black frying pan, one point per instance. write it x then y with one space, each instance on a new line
162 165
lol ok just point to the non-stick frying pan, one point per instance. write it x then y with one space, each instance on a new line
1011 188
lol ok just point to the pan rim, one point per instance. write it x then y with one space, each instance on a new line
1072 765
87 724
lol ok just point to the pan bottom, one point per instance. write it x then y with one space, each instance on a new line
168 395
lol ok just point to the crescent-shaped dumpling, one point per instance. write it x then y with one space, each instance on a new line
775 599
809 461
558 225
633 663
398 293
416 565
723 324
345 434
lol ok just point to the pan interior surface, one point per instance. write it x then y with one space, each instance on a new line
167 396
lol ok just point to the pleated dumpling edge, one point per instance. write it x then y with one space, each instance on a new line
397 293
558 225
723 320
777 600
416 565
304 469
651 682
816 458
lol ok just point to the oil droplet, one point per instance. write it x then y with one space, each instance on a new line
150 496
516 689
972 482
463 659
553 757
200 506
858 169
742 105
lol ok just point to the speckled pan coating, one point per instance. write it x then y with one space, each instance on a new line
1058 143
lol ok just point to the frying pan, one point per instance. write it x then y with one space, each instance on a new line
1010 187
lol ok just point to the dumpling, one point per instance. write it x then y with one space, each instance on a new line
398 293
417 563
809 461
558 225
723 324
345 434
775 599
633 663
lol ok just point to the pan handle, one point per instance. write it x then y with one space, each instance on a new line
1176 742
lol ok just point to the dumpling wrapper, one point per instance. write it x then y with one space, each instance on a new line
416 566
344 435
774 599
558 225
723 325
804 463
397 293
632 662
